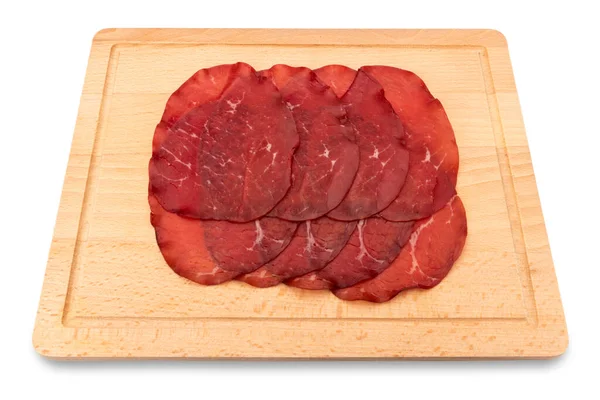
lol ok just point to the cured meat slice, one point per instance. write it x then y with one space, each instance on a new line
175 190
314 244
430 140
261 278
383 158
243 247
373 246
434 245
175 166
182 244
229 159
338 77
310 281
213 252
203 87
248 152
326 161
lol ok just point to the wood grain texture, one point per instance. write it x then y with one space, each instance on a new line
108 292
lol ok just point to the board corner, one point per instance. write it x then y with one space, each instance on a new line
496 38
104 34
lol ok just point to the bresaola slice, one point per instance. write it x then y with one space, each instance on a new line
337 77
229 159
203 87
247 155
260 278
182 244
213 252
175 168
430 140
316 243
374 244
244 247
313 246
383 158
433 247
327 158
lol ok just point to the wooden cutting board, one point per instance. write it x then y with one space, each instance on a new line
108 292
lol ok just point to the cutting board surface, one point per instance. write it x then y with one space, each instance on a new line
109 293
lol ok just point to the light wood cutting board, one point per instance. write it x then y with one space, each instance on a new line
108 292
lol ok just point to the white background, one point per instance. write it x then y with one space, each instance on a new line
43 57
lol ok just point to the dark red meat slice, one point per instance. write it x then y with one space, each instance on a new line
175 167
182 244
434 245
213 252
204 86
315 244
229 159
430 140
310 281
248 153
243 247
261 278
374 244
383 158
326 161
337 77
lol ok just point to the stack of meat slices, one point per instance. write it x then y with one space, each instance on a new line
331 179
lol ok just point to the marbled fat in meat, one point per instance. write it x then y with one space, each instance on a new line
337 77
244 247
313 246
433 167
383 158
374 244
327 158
229 159
213 252
205 86
434 245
